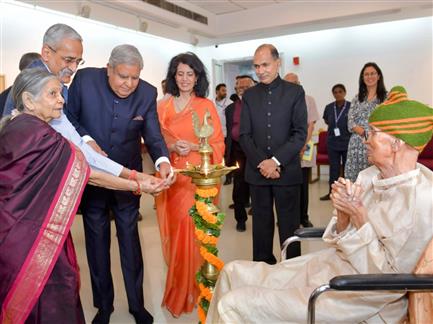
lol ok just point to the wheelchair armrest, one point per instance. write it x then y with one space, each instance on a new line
301 234
310 232
386 281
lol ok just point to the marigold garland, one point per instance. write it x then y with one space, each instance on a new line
207 230
201 314
207 193
212 259
204 238
205 213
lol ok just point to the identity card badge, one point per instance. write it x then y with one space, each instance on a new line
337 132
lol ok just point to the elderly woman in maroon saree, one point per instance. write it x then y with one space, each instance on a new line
41 181
42 177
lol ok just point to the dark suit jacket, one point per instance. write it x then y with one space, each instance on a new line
116 124
274 123
228 140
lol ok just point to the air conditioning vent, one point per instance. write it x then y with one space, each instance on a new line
163 4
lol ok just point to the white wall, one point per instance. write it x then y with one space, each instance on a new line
23 27
402 49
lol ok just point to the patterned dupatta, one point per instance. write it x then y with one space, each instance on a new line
42 177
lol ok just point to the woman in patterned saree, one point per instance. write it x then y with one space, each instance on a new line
371 93
188 84
42 177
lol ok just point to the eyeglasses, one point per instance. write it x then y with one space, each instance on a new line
67 59
372 74
372 132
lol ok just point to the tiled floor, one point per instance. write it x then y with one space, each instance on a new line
232 246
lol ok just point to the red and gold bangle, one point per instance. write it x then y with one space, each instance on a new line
133 176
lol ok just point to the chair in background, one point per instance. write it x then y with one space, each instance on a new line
322 151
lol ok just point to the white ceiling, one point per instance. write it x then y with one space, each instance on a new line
237 20
219 7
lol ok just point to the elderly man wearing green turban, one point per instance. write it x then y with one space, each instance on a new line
382 224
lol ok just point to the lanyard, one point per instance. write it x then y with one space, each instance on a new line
341 112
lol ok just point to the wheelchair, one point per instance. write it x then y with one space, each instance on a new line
401 282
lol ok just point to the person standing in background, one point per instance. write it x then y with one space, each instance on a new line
371 93
335 116
234 154
272 133
306 164
221 103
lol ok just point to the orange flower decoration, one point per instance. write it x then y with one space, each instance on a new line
212 259
204 212
207 193
201 314
205 292
205 238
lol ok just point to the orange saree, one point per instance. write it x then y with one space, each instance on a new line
179 246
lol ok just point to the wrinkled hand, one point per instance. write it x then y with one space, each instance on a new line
346 198
152 185
269 169
96 148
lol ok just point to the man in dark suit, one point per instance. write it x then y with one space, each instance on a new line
116 109
234 153
272 133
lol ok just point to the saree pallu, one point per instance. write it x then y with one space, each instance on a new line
42 177
180 249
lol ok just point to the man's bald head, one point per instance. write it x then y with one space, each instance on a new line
292 78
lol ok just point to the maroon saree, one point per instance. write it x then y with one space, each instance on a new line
42 177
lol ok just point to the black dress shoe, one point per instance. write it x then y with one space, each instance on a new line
102 316
307 224
241 227
232 206
142 317
325 197
228 181
250 211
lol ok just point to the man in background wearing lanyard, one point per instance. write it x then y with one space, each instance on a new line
335 116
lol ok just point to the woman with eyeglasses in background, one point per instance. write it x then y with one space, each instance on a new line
372 92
